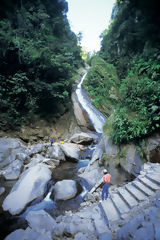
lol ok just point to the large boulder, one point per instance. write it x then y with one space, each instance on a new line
71 150
37 148
92 174
28 234
84 138
9 148
55 152
65 189
30 186
13 171
40 221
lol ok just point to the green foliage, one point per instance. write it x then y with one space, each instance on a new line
131 44
102 84
38 57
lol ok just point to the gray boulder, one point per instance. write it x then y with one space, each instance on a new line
72 150
30 186
28 234
13 171
40 221
9 148
84 138
65 189
55 152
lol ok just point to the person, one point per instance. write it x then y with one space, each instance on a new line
51 141
106 181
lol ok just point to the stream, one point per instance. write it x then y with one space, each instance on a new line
66 170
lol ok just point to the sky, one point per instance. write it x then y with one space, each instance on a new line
91 17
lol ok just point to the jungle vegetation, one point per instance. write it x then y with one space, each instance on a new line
124 78
39 55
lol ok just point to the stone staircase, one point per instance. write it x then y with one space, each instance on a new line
124 199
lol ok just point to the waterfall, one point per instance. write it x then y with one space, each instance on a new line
95 116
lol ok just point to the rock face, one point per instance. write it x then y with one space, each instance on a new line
153 149
30 185
81 115
131 161
65 189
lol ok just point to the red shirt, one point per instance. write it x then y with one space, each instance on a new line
107 178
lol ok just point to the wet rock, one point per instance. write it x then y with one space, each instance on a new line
81 115
30 186
65 189
97 154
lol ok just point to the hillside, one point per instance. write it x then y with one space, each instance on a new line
124 78
39 55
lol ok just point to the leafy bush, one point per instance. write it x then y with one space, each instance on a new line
102 85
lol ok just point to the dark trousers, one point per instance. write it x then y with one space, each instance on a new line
105 191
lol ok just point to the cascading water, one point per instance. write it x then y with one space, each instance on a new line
98 120
96 117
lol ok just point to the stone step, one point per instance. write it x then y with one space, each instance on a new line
99 221
128 198
155 178
147 191
119 203
153 186
110 211
136 193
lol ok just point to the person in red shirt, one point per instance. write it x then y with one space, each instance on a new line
106 180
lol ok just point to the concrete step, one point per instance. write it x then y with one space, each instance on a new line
110 211
153 186
127 197
154 177
99 221
136 193
119 203
147 191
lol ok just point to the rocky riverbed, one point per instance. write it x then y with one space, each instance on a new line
28 171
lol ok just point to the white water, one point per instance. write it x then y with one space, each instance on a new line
96 117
